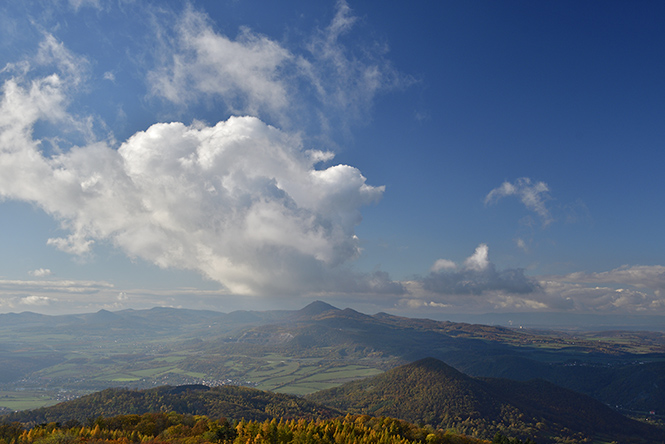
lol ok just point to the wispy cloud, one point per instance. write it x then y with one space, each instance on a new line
41 272
345 82
244 72
53 52
77 4
52 286
321 83
55 295
533 195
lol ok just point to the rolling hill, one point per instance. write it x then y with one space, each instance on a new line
228 401
430 392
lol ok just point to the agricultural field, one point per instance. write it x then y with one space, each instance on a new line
302 377
58 366
28 399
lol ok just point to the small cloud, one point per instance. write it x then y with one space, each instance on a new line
419 303
521 244
443 264
73 244
532 195
77 4
421 116
108 75
41 272
479 261
36 300
74 68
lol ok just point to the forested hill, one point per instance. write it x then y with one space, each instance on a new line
430 392
227 401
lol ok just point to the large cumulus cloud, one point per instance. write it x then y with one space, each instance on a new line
241 202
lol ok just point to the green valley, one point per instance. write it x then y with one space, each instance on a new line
49 359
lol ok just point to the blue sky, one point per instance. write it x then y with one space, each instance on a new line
423 158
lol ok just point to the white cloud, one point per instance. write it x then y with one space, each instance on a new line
324 85
36 300
521 244
240 202
599 299
344 81
41 272
477 276
420 304
27 99
50 296
625 290
641 276
51 51
9 286
443 264
76 4
532 195
244 72
479 261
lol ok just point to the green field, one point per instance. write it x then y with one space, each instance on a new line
85 366
27 399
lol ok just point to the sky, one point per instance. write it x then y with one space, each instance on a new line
422 158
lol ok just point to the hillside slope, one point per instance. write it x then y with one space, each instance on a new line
430 392
227 401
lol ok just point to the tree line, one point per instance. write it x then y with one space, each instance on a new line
176 428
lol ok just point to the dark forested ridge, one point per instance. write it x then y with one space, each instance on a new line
431 392
228 401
